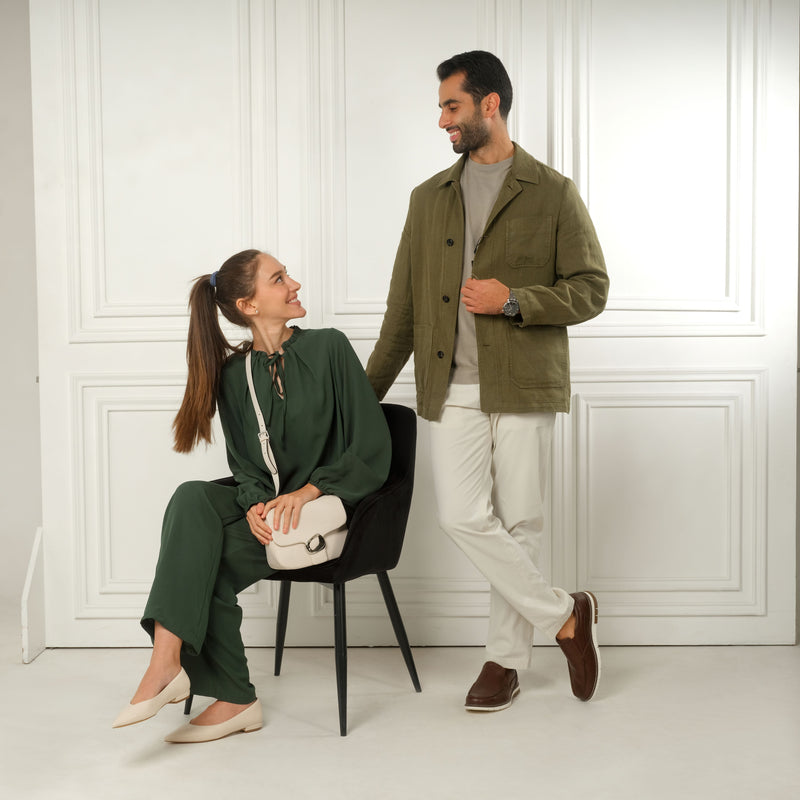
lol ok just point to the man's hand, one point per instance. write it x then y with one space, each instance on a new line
484 296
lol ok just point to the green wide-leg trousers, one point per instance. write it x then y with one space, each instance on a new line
208 555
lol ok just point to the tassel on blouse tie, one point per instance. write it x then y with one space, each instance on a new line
276 372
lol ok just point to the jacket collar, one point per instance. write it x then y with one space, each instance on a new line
524 167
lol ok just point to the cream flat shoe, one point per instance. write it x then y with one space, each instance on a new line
175 691
251 719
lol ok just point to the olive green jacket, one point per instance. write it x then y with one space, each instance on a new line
540 242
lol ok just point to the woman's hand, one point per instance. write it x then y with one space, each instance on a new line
286 507
258 526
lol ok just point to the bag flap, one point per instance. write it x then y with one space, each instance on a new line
319 516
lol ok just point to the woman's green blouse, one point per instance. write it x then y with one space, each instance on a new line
328 429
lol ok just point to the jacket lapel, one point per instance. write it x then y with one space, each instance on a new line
508 192
523 168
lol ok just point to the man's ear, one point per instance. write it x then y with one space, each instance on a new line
490 105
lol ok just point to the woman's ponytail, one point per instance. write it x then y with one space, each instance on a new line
207 349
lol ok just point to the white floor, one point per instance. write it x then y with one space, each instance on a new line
666 723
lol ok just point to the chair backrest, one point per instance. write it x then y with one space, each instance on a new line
378 526
402 422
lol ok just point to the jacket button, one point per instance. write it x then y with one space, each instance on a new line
445 298
440 354
450 242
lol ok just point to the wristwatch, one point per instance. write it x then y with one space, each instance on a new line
511 306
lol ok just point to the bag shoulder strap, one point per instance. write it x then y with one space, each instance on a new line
263 433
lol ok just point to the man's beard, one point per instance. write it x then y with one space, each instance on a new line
474 134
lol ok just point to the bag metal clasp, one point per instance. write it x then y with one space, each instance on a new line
315 543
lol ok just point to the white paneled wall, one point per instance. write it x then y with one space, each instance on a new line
169 135
677 528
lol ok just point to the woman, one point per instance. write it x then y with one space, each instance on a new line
329 436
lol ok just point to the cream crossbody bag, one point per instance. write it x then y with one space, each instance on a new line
320 534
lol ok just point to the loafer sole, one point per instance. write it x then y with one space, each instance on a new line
595 646
500 707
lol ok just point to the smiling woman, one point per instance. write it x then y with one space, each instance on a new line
274 296
328 436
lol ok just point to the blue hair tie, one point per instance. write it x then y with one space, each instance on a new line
214 280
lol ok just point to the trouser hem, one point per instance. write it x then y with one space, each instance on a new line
517 662
189 644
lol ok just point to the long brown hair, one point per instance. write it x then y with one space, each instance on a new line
207 349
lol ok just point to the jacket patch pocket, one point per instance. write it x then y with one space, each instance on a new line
528 241
538 356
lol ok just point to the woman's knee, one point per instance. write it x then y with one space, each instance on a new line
188 506
190 491
190 496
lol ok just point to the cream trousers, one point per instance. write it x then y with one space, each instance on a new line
490 474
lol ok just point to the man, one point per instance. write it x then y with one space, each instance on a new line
498 255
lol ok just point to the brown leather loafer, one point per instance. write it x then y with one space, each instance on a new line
581 650
494 690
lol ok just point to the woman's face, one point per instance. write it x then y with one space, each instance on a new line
275 295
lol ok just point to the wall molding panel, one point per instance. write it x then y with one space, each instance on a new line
96 313
737 307
113 581
700 440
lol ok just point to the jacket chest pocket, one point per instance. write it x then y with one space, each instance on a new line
529 241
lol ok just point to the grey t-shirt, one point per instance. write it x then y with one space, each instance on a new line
480 185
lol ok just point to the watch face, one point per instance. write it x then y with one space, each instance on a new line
511 308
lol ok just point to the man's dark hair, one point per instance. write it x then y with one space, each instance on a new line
484 73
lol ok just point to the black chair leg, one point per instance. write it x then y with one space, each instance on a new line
187 706
399 628
340 636
280 626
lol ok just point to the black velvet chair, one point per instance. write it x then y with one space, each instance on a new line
373 545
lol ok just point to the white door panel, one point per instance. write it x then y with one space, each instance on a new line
170 135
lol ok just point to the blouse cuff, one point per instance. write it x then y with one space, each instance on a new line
248 499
